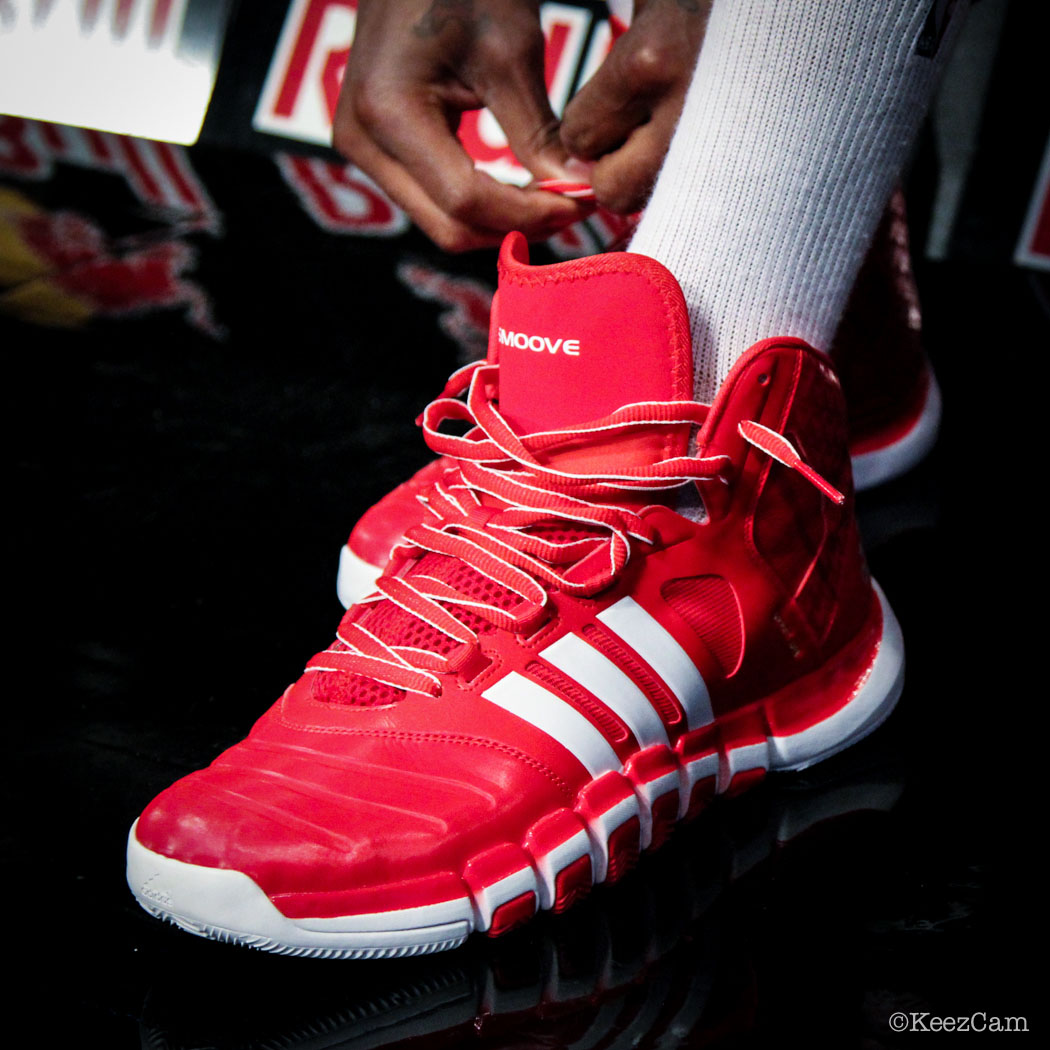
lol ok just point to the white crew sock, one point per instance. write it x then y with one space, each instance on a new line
797 123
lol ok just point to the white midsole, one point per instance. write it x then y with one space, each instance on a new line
881 465
870 706
356 577
219 898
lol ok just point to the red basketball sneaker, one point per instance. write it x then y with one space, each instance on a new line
893 402
892 398
610 614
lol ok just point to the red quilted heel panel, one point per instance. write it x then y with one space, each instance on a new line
811 542
835 597
816 423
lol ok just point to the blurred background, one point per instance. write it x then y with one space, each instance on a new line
217 336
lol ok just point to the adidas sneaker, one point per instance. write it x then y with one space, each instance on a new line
892 397
618 605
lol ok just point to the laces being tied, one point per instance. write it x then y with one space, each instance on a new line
518 519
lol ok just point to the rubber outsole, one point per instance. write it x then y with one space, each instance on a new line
615 817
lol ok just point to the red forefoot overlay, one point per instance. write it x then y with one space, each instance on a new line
620 814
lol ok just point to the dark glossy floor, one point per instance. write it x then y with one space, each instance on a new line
179 508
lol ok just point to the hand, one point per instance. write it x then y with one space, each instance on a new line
623 117
415 66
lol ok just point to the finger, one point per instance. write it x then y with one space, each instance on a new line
520 104
615 101
407 194
449 234
404 139
422 141
623 180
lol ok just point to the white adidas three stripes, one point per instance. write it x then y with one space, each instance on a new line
600 676
655 645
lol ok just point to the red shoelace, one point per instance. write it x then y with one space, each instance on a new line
495 510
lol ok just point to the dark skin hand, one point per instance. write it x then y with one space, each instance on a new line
415 67
623 118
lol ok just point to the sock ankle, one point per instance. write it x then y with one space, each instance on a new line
799 118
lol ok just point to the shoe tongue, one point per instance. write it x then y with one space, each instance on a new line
577 340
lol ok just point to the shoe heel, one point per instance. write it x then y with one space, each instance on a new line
871 703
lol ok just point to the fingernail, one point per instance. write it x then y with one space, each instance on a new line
580 169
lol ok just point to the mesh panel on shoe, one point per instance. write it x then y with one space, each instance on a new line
632 666
395 626
468 582
354 690
709 605
801 534
553 679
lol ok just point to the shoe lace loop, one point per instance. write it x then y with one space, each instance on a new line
496 509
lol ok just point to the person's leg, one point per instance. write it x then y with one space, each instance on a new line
798 120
